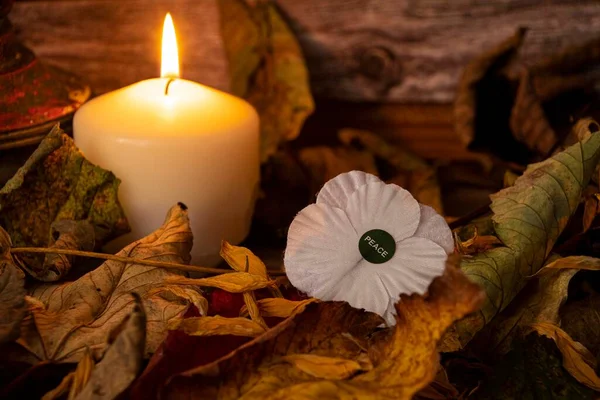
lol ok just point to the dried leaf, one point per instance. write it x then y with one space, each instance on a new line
322 329
190 295
235 282
335 330
591 209
267 68
439 389
62 389
82 374
528 217
416 174
488 63
572 263
580 363
253 311
123 359
74 382
321 367
286 189
532 370
240 257
528 121
281 308
65 234
58 183
12 292
580 318
510 178
412 361
398 157
211 326
324 163
178 353
477 243
81 314
539 301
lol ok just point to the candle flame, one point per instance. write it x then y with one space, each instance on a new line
169 67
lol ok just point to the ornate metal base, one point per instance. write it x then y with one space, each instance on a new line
33 96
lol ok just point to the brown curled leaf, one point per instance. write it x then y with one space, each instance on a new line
267 68
69 235
591 209
67 318
528 121
489 63
235 282
123 359
324 163
215 326
58 183
187 294
580 363
409 170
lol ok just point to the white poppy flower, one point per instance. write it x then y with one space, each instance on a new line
366 242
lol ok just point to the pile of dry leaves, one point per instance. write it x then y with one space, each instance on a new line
514 315
240 333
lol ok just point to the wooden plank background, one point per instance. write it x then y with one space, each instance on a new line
358 50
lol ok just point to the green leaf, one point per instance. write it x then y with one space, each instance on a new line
267 68
528 218
58 183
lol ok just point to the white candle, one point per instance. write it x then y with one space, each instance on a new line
190 144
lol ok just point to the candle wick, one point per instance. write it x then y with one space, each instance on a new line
168 84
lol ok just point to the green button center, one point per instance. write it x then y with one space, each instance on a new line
377 246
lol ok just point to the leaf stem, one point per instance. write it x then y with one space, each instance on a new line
112 257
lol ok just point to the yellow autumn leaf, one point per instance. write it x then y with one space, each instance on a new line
322 367
253 310
572 262
217 326
577 359
238 257
235 282
408 359
74 381
82 374
282 308
61 389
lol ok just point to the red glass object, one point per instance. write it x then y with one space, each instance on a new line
33 96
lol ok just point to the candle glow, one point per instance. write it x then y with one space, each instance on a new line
169 66
171 141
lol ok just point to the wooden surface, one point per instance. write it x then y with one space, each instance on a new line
427 130
374 50
115 43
